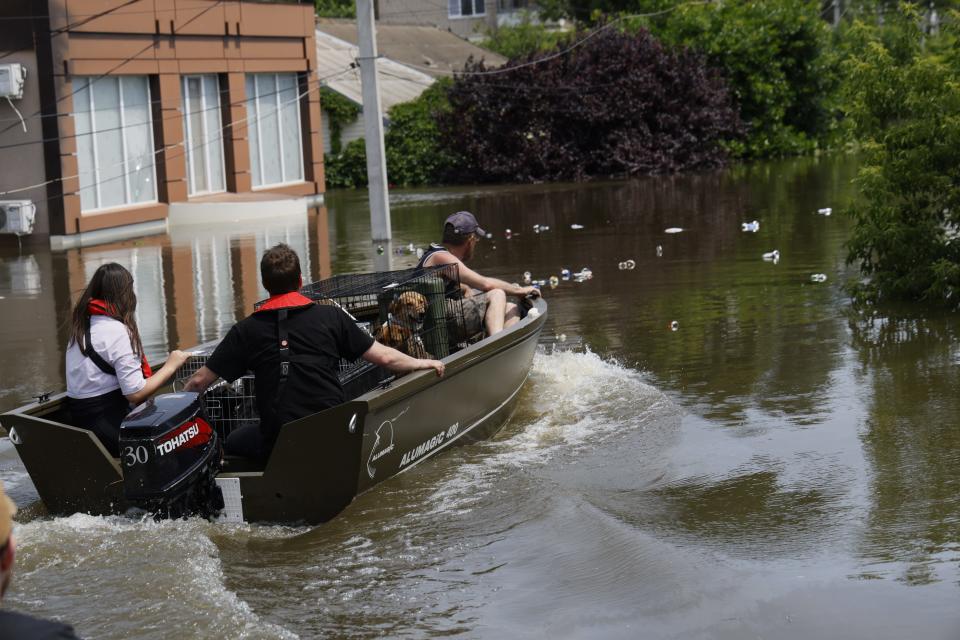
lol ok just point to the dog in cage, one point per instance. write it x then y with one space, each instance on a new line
404 323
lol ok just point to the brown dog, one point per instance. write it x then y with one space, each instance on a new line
401 330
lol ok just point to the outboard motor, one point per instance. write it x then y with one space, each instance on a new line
170 457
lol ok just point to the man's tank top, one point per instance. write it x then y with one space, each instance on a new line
451 289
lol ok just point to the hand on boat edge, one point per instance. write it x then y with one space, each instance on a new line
436 365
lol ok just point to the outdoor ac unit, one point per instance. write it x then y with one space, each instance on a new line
12 77
16 216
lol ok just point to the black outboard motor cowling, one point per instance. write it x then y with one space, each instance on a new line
170 457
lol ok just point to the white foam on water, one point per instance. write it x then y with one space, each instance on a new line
571 401
120 577
575 399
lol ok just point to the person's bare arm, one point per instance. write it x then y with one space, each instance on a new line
399 362
174 361
199 381
473 279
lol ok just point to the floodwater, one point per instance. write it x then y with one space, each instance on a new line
779 466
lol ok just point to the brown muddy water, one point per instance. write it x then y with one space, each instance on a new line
776 467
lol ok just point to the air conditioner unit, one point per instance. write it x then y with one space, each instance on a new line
17 216
12 77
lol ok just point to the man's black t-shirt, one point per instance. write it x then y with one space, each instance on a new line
322 332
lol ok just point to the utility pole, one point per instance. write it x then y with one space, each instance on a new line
380 232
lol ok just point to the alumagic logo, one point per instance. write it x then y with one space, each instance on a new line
426 447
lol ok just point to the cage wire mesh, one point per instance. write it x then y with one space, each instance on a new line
406 309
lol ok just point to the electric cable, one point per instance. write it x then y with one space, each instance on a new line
167 147
123 62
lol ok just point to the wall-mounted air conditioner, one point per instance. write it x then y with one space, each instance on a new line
12 78
17 216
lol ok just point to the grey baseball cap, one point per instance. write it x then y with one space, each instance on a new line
464 223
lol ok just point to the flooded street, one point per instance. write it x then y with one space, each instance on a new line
772 465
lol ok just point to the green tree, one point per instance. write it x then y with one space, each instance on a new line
777 57
904 104
523 39
336 8
412 141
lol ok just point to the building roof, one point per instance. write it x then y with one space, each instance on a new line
336 69
426 48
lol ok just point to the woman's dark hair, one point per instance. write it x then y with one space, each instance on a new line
280 270
114 285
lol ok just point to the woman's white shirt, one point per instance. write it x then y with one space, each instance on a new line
109 338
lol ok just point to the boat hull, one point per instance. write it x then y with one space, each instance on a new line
321 462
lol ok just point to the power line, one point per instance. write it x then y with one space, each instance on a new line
122 63
168 147
74 25
563 52
180 114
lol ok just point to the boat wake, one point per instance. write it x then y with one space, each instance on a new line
573 403
169 574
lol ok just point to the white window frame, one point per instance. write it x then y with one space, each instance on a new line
454 9
188 130
95 170
257 118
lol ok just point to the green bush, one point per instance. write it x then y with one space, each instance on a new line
776 56
347 169
414 154
523 39
340 111
904 105
336 8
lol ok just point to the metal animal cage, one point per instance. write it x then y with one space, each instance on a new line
408 309
405 309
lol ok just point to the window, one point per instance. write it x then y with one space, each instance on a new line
273 125
466 8
203 134
115 152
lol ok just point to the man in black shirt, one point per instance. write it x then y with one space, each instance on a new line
293 347
19 626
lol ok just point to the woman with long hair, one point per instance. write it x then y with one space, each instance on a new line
107 372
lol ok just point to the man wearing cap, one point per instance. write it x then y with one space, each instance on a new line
484 299
17 625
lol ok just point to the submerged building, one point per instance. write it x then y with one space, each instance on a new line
117 116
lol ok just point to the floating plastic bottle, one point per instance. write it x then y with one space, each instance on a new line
565 274
631 264
825 211
508 234
772 256
674 326
536 228
673 230
818 277
562 337
527 277
659 251
584 274
576 227
751 227
622 266
554 281
489 236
